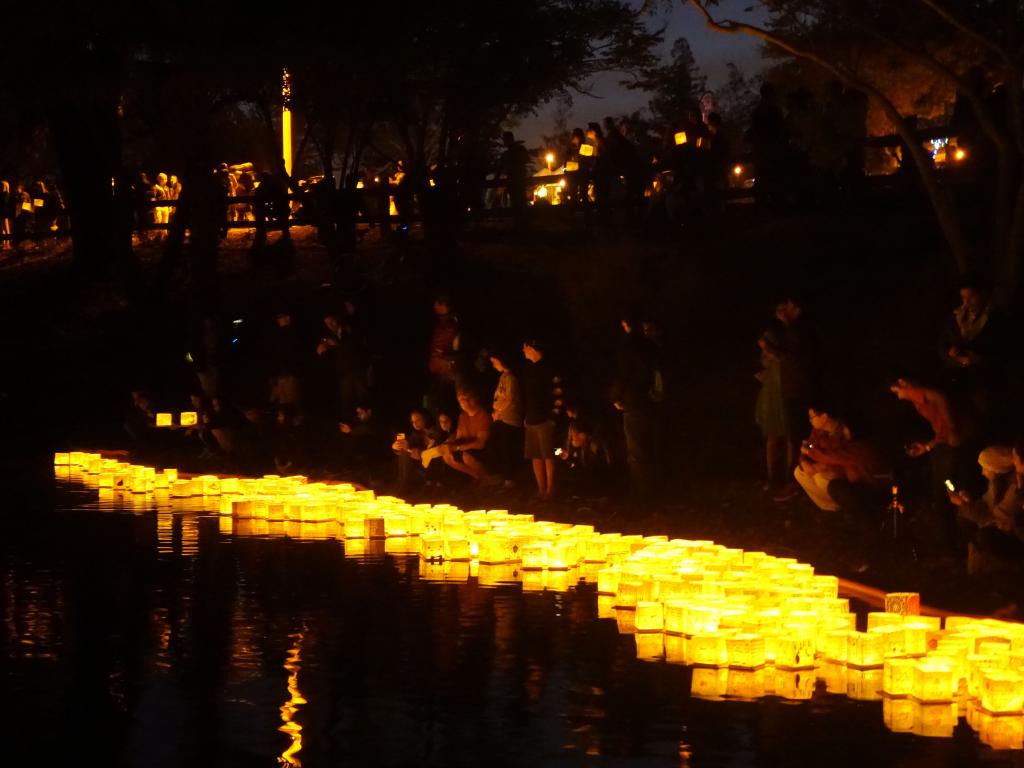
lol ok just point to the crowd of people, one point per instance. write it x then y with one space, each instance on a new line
962 464
502 417
30 213
509 419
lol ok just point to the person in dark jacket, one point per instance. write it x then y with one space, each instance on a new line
636 393
542 391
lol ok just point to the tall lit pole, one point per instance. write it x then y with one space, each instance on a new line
286 120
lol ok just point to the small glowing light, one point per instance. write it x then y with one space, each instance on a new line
681 137
561 183
737 170
586 150
549 158
541 192
959 154
433 183
360 184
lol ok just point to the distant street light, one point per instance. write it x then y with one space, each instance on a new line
549 158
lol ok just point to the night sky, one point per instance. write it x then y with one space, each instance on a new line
712 50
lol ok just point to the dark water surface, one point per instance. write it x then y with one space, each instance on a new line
156 637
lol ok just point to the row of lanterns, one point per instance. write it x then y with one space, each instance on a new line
748 623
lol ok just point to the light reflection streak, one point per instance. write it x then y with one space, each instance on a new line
291 707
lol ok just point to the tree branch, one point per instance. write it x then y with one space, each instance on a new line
946 214
968 30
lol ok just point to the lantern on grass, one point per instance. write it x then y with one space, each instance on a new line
864 649
1002 692
898 714
164 419
898 676
650 646
933 681
188 418
746 650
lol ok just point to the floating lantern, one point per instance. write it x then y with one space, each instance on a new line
708 649
794 651
649 616
794 684
748 684
164 419
1002 692
649 646
709 682
864 684
864 649
836 645
898 714
431 545
903 603
188 418
933 681
746 650
893 639
898 676
934 720
1000 731
835 677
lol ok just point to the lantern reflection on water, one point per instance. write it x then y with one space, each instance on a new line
753 624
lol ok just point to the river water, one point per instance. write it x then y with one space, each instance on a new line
143 634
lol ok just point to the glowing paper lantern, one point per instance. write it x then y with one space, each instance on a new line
629 593
709 682
892 639
746 650
836 645
746 684
680 137
903 603
934 720
649 646
708 649
933 681
1000 731
794 684
649 616
898 714
898 676
586 150
188 418
864 684
1002 692
864 649
793 651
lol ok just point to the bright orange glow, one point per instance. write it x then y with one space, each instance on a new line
959 154
681 137
737 170
549 158
289 709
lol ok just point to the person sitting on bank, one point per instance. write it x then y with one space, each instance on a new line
408 447
837 471
465 451
587 463
990 523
